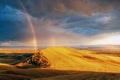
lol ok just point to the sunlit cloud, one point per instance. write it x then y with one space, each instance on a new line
107 39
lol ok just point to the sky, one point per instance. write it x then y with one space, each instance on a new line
59 22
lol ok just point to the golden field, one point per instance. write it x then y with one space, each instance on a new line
12 50
64 58
66 64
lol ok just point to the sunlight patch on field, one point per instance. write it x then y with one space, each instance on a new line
64 58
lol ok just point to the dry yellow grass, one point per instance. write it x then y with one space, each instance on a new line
64 58
12 50
68 64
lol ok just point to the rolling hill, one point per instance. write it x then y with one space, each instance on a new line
65 58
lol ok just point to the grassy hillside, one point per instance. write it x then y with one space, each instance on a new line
64 58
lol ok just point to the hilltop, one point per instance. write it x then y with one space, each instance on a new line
65 58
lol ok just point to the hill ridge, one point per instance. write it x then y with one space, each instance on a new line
65 58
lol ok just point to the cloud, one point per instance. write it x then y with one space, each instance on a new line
106 38
43 7
16 31
13 25
58 22
5 44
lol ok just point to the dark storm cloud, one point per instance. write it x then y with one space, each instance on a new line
13 32
58 21
94 24
66 6
12 25
14 28
46 7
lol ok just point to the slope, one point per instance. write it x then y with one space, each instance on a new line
64 58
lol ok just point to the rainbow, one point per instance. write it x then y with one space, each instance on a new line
31 26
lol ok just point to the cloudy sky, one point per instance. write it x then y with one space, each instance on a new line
59 22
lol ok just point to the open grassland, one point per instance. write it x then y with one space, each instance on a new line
14 50
64 58
9 72
66 64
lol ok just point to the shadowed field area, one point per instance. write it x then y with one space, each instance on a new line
13 58
8 72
